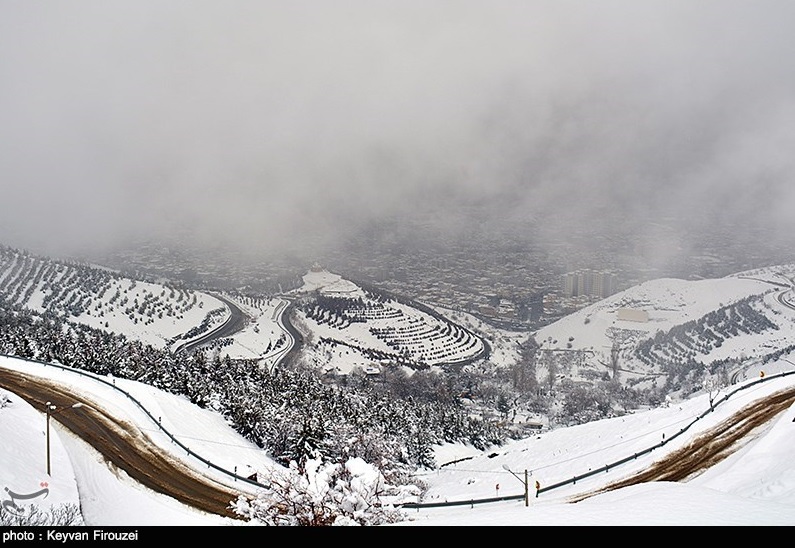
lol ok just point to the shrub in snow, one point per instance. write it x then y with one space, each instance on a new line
322 494
65 515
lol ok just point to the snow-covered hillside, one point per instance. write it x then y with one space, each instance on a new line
641 332
154 313
350 326
166 315
754 486
671 332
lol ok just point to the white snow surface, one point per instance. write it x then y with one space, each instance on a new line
754 486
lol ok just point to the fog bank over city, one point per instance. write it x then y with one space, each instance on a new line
272 127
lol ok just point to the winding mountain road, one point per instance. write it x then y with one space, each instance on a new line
124 445
235 322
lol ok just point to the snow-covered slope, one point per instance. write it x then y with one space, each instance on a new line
154 313
263 337
645 330
349 326
657 332
163 314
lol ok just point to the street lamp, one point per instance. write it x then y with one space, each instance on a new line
524 482
53 410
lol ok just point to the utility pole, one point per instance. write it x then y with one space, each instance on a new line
524 483
52 410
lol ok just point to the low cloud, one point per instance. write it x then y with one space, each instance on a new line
272 125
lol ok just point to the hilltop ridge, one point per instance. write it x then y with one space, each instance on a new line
675 332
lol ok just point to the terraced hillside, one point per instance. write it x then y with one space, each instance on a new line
347 320
155 313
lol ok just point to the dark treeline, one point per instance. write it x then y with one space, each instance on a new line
680 351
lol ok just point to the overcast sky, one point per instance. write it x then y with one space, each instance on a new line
273 122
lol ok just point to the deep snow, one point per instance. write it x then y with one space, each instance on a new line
755 486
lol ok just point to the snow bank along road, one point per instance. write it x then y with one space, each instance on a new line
712 446
124 445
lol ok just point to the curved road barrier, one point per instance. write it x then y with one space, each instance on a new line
573 480
154 421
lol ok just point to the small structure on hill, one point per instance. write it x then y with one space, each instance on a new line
632 315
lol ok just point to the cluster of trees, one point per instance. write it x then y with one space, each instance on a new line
323 494
73 289
417 340
292 413
212 317
684 347
581 402
33 515
373 354
334 311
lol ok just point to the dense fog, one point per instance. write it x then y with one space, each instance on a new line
272 126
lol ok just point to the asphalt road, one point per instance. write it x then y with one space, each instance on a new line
236 321
123 445
712 446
